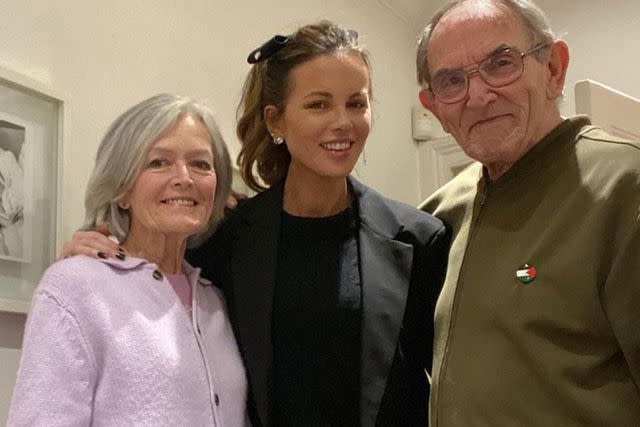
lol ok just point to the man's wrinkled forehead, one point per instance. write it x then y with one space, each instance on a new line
473 9
485 24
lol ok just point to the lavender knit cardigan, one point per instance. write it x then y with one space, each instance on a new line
108 342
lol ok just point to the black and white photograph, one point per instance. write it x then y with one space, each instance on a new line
12 189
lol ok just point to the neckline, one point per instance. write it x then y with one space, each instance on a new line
536 157
346 212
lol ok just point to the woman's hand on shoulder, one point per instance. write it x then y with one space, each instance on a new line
95 243
234 198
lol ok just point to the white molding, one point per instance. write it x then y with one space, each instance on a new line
14 306
438 162
606 107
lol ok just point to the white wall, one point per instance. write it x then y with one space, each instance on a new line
603 40
103 56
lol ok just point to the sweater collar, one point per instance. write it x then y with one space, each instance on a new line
538 157
132 263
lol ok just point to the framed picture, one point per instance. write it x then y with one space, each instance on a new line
16 188
30 143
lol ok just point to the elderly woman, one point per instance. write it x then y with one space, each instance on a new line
140 339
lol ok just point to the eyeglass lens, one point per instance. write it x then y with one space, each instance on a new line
497 70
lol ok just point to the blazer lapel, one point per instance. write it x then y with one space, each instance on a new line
386 273
254 264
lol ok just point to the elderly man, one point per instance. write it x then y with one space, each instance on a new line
539 319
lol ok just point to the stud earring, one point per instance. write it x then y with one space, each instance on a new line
277 140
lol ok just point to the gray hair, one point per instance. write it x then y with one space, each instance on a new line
122 151
533 18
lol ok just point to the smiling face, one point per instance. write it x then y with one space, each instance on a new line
495 126
174 193
326 117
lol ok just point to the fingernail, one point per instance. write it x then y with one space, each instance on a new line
120 255
102 255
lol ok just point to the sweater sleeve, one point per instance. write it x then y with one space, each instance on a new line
56 377
621 297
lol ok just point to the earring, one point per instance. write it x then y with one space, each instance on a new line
277 140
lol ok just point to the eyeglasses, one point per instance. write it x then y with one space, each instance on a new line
497 70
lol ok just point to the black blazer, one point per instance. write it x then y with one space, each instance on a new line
403 256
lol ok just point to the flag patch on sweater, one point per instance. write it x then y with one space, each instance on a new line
526 274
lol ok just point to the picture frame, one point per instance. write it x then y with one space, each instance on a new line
31 119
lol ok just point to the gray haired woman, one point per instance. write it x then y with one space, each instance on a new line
140 338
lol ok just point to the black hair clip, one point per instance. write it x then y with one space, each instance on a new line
267 50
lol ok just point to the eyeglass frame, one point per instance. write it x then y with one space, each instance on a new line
476 70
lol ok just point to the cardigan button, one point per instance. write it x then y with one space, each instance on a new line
157 275
216 399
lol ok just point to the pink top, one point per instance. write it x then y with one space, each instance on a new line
182 288
108 343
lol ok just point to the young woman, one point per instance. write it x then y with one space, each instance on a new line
330 286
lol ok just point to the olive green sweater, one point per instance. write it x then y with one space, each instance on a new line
560 345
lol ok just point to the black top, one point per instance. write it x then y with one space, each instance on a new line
402 261
317 318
